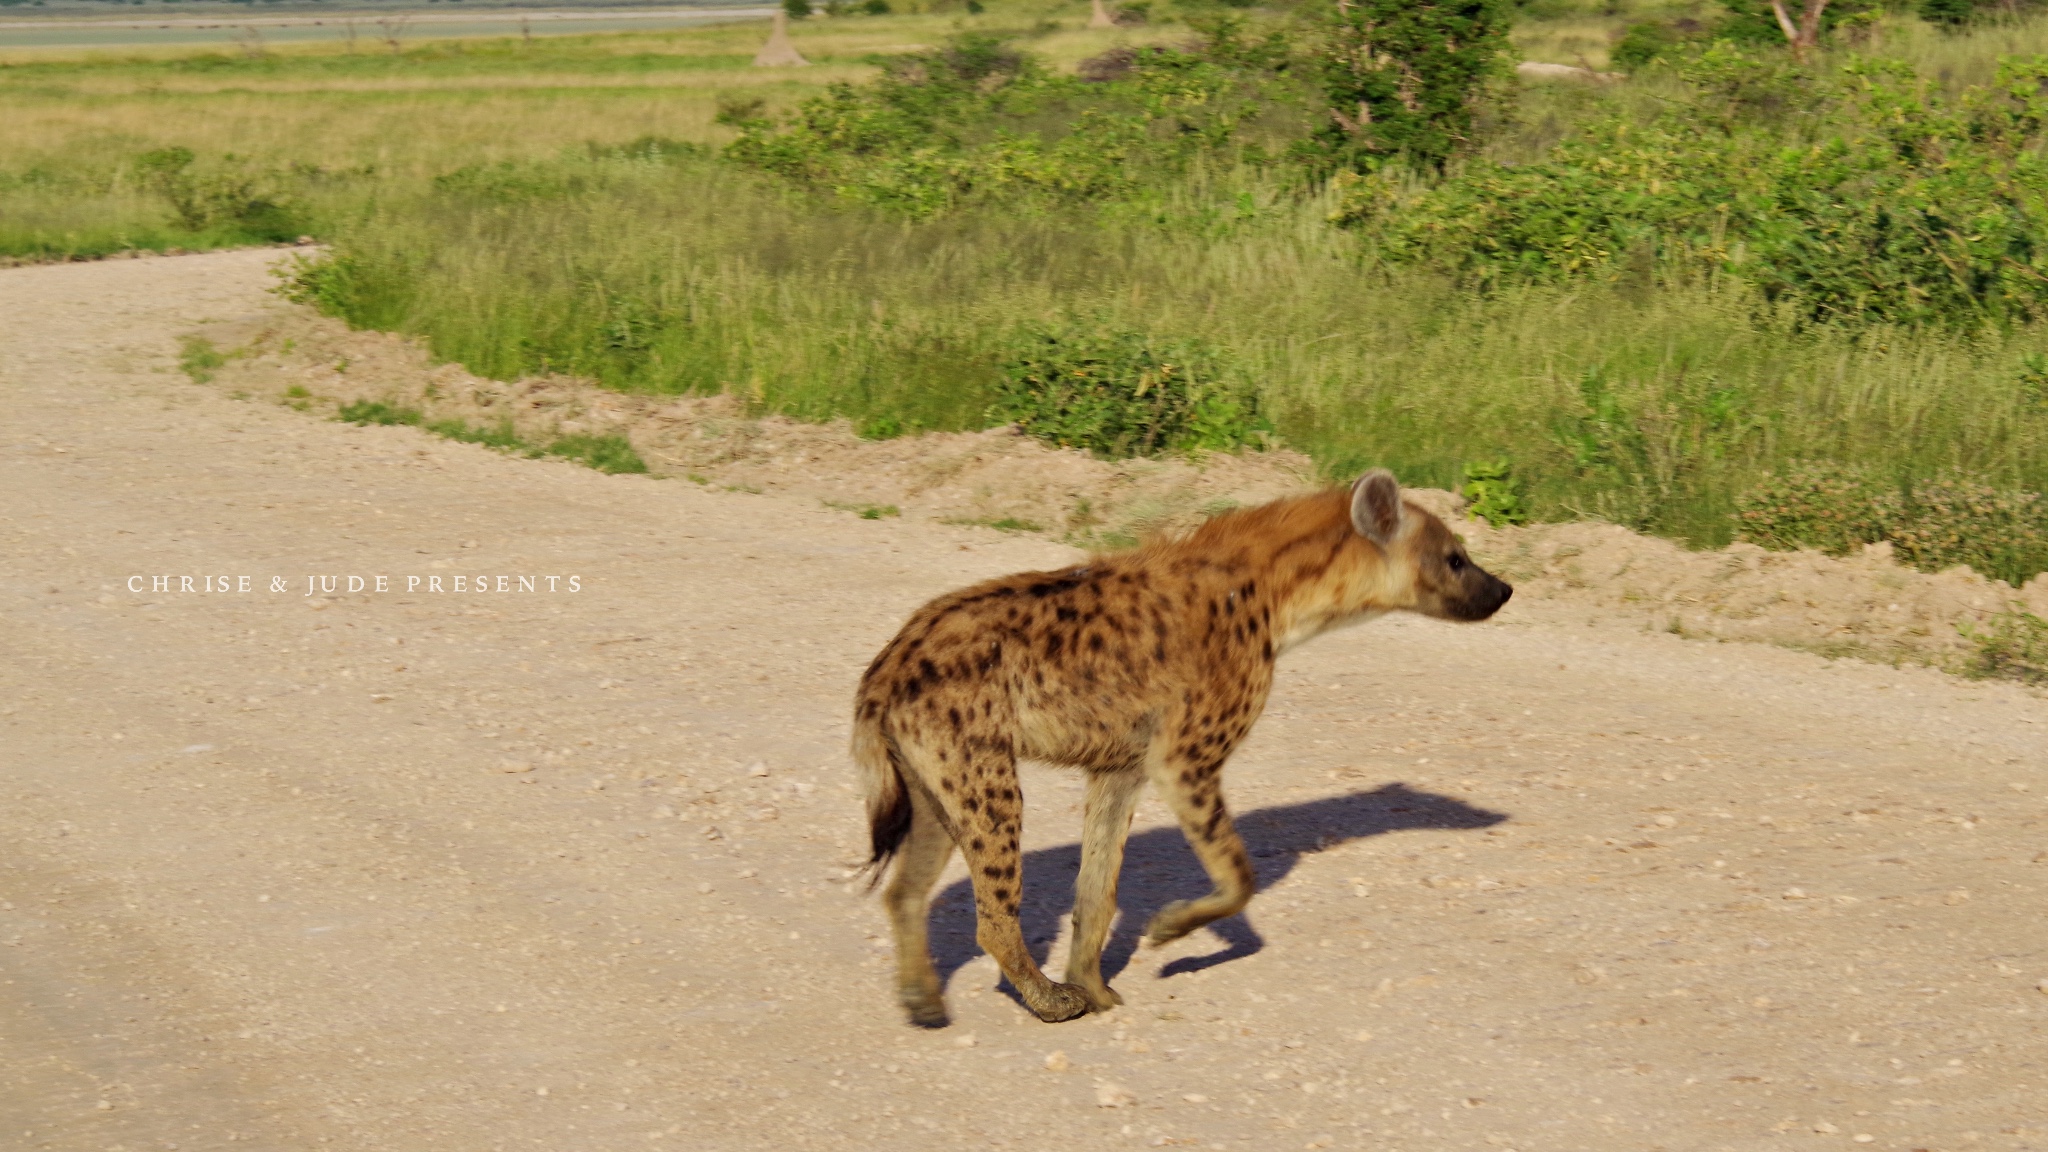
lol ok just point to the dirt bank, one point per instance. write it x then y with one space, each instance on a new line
1864 605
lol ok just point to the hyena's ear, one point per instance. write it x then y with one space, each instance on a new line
1376 506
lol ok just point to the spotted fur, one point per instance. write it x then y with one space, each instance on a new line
1150 664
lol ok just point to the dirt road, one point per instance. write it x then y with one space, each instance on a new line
562 864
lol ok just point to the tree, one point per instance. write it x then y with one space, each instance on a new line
1806 34
1402 76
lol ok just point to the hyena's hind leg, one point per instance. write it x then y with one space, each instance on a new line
919 861
1106 825
1192 787
987 813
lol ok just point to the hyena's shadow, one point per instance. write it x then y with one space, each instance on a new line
1159 868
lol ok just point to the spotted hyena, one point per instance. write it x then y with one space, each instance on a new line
1143 665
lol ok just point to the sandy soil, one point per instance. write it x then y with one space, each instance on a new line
568 869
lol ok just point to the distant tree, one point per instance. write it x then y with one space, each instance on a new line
1402 77
1947 13
797 9
1805 34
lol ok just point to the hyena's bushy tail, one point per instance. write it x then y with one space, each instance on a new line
881 779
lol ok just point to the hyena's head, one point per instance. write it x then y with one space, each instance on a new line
1427 556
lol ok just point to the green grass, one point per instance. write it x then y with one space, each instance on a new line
605 453
610 454
500 436
1001 524
328 129
489 197
377 412
1652 404
2012 646
866 511
199 359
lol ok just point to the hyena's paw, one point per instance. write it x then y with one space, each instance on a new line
1171 923
1059 1002
927 1009
1101 997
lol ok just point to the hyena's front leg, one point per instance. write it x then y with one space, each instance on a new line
1106 825
1192 787
988 813
919 861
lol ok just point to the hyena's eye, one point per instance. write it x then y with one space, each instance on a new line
1457 562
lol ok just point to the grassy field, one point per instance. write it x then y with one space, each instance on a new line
1680 395
331 128
538 206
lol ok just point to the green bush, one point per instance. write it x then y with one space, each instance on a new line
1405 77
976 120
1642 43
1947 13
1119 394
1997 532
1862 195
1493 494
226 196
879 427
1832 507
613 454
1648 399
1936 524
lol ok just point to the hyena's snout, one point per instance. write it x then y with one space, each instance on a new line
1497 593
1481 596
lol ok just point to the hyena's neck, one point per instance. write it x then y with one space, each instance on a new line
1303 563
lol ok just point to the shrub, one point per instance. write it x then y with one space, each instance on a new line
612 454
2012 646
1642 43
1832 507
377 412
1997 532
1868 197
977 120
1402 77
227 197
1118 394
1493 493
2000 533
2033 381
1949 14
879 427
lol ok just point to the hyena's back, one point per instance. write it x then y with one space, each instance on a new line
1070 666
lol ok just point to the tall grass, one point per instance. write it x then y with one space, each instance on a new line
334 128
1650 403
467 203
